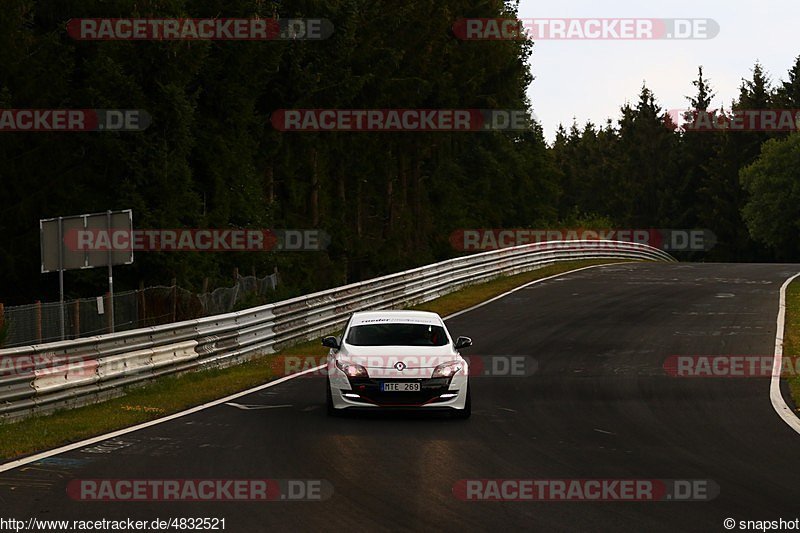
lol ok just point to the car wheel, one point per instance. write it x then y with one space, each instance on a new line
329 399
465 413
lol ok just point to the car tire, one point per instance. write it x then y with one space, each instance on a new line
329 400
463 414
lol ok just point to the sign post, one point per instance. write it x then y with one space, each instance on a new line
110 275
61 250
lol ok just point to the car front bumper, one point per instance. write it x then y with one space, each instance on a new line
366 393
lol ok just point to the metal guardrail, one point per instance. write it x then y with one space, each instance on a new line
41 378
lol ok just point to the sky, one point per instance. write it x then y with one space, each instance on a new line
591 79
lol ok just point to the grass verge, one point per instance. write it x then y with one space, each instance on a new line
791 334
171 394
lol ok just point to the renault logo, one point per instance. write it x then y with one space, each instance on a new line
400 366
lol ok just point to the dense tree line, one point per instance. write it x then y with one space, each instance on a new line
645 172
389 200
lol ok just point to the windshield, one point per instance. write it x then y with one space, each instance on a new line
397 335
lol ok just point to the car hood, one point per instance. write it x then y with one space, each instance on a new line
382 361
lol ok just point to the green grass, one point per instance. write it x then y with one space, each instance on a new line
791 334
171 394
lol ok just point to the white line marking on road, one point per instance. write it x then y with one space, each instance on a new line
75 445
604 431
778 403
255 407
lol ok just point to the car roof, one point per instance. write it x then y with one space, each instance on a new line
424 317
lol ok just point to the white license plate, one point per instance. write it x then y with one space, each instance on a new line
400 387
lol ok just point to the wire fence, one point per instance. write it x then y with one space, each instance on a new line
41 322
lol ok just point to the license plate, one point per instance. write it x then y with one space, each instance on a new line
400 387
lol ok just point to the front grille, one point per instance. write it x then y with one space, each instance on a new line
430 389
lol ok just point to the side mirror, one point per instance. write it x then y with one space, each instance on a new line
331 342
463 342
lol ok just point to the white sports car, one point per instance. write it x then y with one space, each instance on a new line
397 360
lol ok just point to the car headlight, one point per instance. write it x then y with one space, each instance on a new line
446 370
352 370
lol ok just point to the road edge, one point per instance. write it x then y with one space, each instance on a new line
775 395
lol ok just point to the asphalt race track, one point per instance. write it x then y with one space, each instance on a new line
600 405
